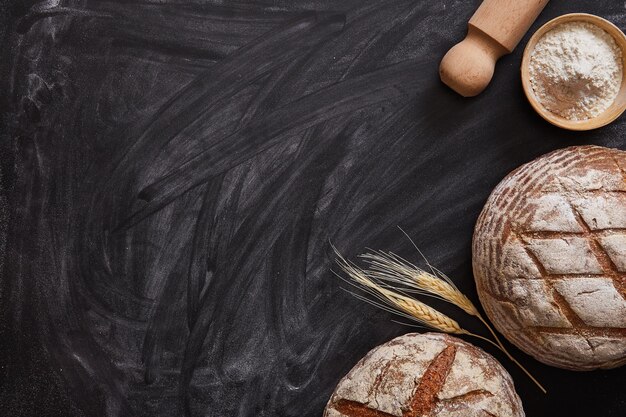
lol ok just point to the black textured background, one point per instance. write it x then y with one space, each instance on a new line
175 170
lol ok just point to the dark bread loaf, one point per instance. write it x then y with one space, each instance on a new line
549 258
426 375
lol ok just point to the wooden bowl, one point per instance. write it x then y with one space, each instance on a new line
611 113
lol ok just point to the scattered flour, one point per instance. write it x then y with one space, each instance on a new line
576 70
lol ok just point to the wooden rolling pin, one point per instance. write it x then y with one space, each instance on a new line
494 30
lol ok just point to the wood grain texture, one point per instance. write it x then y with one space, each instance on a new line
174 171
507 21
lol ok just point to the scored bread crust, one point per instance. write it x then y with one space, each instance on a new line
426 375
549 258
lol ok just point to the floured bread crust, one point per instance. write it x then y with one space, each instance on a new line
549 258
426 375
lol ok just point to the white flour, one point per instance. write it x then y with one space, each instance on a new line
576 70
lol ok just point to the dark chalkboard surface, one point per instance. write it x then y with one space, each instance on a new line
173 172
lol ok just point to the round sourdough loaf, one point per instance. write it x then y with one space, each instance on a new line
426 375
549 258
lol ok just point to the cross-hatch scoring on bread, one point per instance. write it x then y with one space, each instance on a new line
549 257
426 375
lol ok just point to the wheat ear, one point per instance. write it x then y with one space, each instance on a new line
413 309
390 278
389 267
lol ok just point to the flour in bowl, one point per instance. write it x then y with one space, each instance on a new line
576 70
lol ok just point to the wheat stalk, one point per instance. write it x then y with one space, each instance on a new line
390 278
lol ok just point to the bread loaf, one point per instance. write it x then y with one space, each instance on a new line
426 375
549 258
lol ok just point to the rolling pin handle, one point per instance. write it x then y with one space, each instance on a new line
495 29
468 67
